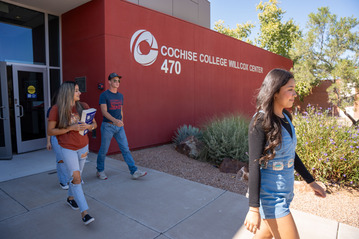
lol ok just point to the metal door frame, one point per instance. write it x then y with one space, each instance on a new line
29 145
6 151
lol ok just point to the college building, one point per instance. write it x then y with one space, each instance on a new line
175 70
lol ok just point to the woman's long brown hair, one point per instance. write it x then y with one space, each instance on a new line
271 125
64 102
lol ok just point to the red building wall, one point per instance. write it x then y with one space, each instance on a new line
202 83
318 98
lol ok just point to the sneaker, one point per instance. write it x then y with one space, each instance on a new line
138 174
64 187
87 219
101 175
72 203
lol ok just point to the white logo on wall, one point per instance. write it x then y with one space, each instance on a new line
144 47
145 50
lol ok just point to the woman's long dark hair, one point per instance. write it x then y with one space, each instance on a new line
271 125
64 102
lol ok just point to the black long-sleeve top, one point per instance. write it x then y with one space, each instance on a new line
257 141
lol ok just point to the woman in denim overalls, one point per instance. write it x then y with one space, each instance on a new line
272 160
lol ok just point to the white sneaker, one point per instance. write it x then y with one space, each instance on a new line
138 174
101 175
64 187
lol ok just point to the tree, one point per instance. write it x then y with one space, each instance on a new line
328 51
275 36
241 32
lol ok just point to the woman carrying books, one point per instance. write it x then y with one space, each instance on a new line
64 122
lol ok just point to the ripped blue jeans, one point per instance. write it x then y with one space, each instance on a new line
62 174
75 161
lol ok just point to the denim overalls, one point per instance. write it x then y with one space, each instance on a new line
277 178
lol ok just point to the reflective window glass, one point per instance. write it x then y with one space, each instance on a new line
55 81
22 34
54 42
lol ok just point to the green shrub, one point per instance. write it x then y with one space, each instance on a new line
225 138
184 131
328 149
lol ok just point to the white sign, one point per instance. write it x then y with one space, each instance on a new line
144 39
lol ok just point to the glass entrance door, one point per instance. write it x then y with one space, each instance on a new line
5 137
30 104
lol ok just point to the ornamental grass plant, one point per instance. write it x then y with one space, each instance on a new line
225 137
329 149
184 131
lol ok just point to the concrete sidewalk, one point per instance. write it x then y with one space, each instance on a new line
158 206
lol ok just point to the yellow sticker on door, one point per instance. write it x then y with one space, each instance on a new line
31 89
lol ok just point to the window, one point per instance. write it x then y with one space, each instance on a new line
22 34
54 40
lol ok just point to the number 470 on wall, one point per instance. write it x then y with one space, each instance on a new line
168 65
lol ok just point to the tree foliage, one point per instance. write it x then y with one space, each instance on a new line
275 35
241 32
328 51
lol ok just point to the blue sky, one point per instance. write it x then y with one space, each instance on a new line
241 11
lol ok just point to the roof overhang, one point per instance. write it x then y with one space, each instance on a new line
56 7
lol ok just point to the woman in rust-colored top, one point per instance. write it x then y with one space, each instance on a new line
64 122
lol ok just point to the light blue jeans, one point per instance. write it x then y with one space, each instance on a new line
74 162
107 132
62 174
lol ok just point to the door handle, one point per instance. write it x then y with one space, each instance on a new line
2 113
21 110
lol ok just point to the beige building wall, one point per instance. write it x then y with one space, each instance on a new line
195 11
